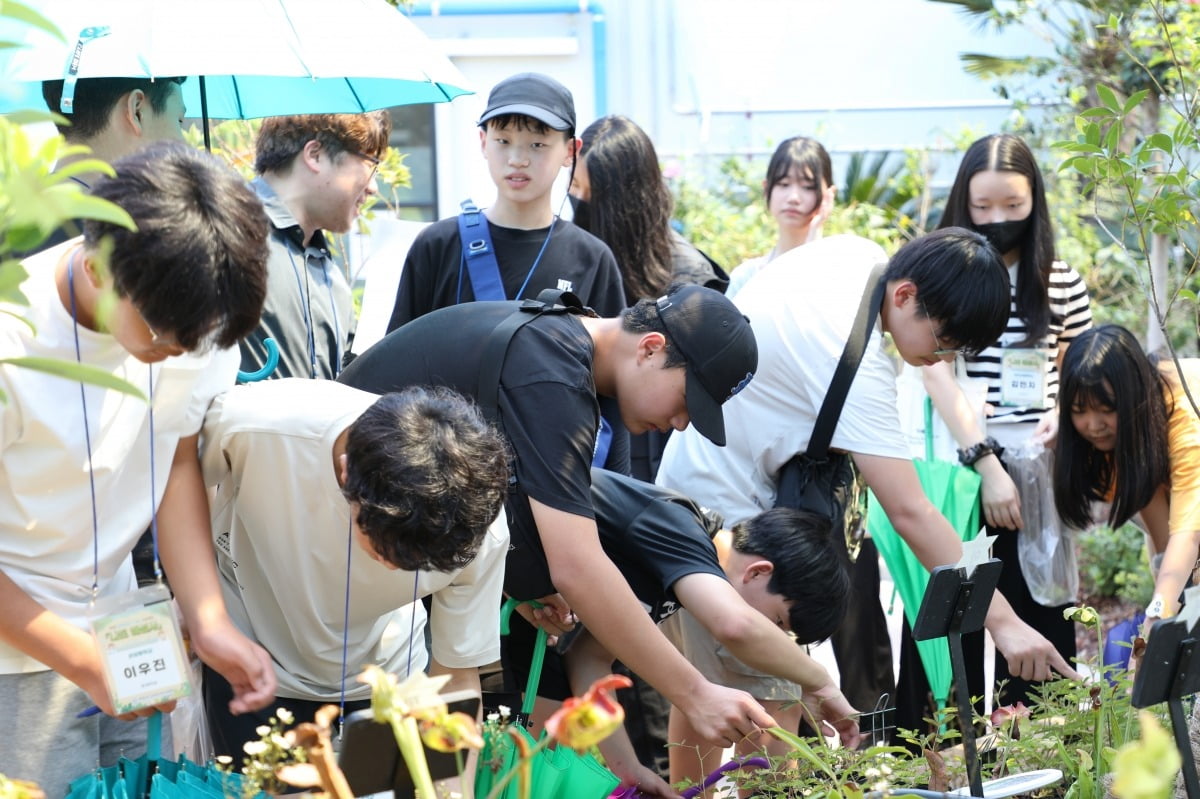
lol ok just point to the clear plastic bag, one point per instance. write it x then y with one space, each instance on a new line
1045 546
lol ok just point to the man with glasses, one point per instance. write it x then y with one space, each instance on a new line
942 292
316 171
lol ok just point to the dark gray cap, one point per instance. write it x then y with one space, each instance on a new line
533 95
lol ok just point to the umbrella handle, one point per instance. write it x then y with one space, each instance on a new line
267 368
715 777
154 735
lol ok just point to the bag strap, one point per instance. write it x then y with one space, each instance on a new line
495 350
928 428
539 654
843 375
479 253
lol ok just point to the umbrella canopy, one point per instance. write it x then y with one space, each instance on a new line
257 58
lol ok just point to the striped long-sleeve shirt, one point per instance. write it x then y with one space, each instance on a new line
1070 315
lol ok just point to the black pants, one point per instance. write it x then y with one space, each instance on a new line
914 701
230 732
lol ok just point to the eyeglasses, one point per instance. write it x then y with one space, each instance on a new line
370 159
940 351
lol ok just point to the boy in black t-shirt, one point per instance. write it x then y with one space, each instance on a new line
717 593
527 134
664 363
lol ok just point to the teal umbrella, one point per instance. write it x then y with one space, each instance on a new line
954 491
244 58
153 777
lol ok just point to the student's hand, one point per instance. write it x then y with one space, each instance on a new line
817 223
648 783
1030 656
244 664
555 617
1001 502
833 714
1046 432
723 716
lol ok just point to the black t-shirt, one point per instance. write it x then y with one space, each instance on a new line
654 536
547 402
575 260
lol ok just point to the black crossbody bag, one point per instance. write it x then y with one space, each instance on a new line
817 480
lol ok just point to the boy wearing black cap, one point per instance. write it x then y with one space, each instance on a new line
664 362
527 134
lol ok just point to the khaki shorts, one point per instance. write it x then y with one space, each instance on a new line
718 665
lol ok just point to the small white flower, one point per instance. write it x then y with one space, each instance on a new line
505 711
285 715
225 760
887 770
871 772
880 786
262 730
493 717
279 741
254 748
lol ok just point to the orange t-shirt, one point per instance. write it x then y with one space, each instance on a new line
1183 442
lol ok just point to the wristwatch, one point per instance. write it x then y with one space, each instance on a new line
1157 609
989 446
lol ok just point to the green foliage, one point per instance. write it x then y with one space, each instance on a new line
34 201
1112 563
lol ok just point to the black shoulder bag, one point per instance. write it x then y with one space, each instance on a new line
817 480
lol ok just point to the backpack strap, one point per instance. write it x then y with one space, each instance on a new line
478 254
843 375
495 348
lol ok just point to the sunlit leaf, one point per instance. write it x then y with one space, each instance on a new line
80 373
23 13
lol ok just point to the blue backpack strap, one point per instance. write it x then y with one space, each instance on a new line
604 437
479 254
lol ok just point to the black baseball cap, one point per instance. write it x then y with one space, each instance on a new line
533 95
715 339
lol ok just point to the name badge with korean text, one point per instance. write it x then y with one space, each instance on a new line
1023 378
141 649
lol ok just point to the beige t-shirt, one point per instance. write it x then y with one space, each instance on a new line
281 532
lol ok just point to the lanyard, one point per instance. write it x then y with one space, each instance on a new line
87 437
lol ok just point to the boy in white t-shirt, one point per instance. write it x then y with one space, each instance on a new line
83 469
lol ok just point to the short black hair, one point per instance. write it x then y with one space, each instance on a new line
1105 366
643 317
196 267
525 122
428 475
95 98
962 283
809 570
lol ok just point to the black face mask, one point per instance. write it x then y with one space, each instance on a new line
1005 236
581 213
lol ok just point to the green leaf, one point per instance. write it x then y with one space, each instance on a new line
85 206
23 13
1160 141
1134 100
81 373
1108 98
1096 113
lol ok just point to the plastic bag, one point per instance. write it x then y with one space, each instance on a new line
1045 546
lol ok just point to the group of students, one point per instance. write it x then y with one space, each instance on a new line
301 521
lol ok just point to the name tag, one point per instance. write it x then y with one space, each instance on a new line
141 649
1023 378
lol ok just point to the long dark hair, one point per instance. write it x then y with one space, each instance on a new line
630 205
1007 153
1105 366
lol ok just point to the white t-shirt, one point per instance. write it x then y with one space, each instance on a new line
281 530
46 534
741 275
801 308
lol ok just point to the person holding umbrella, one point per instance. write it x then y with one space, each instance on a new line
85 469
113 117
315 173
